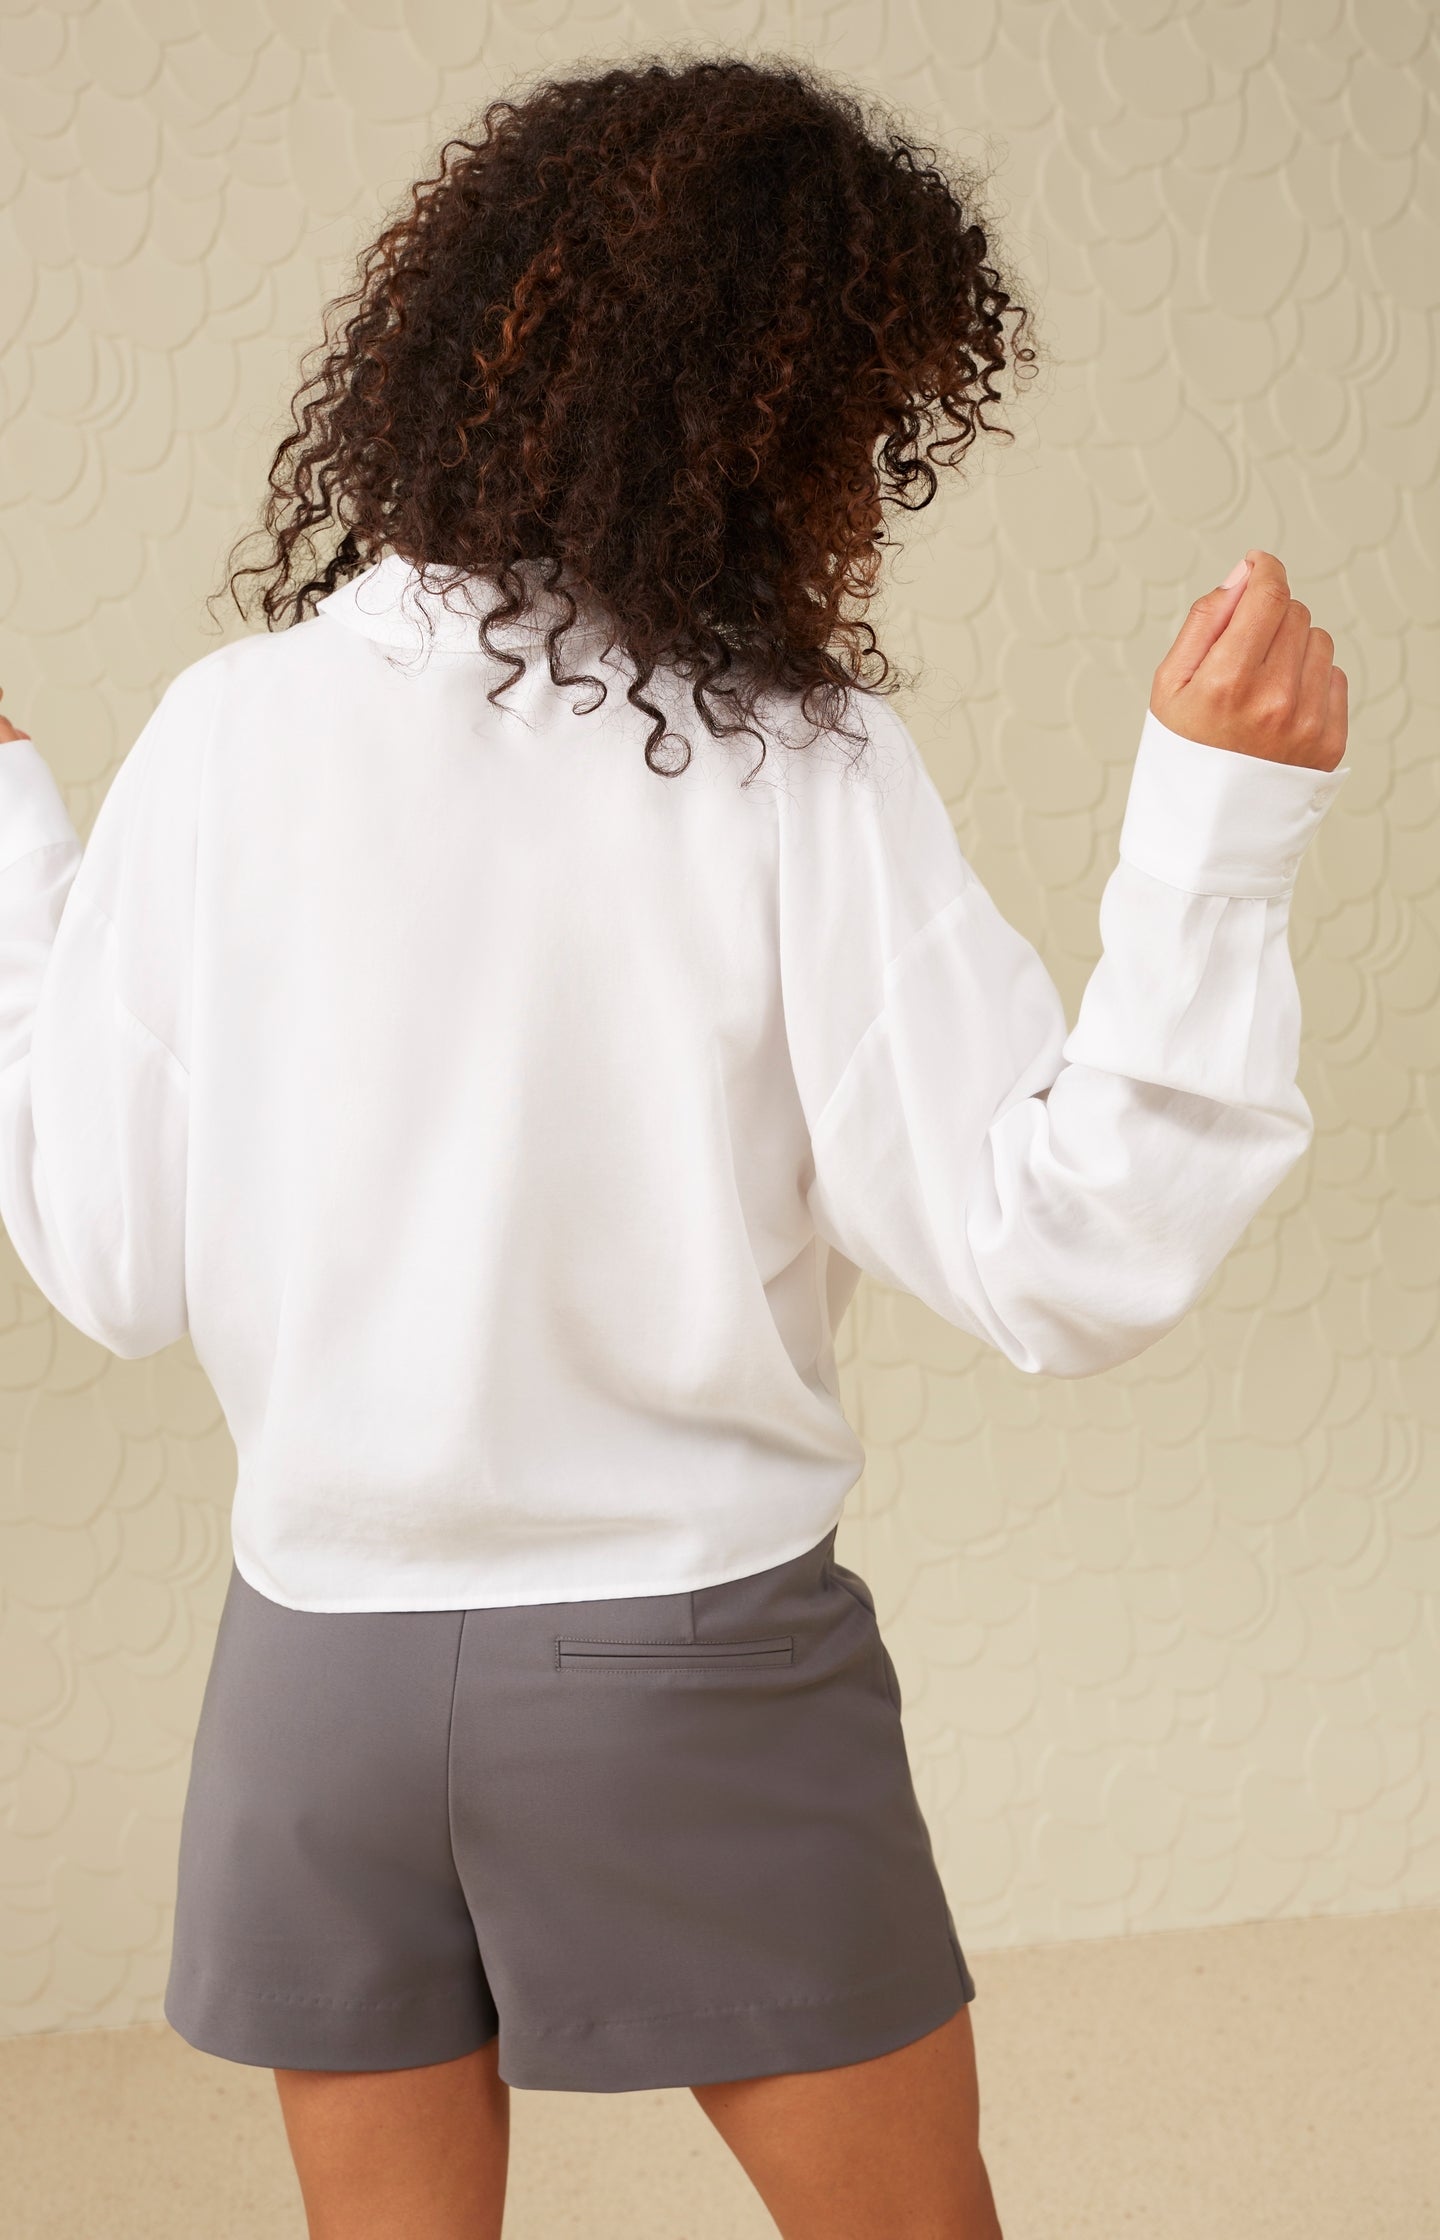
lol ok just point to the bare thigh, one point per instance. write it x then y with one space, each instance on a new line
889 2146
401 2154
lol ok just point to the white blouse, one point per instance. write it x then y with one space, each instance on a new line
509 1124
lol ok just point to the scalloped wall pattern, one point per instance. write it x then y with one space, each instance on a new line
1169 1638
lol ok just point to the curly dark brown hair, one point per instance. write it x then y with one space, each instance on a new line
679 333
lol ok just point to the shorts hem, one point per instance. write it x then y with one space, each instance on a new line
296 2030
719 2045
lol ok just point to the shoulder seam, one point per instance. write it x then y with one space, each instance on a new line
852 1066
89 903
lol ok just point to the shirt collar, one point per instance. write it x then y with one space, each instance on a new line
388 601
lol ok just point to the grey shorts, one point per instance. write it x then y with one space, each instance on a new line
654 1840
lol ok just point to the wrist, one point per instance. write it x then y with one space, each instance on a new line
1244 735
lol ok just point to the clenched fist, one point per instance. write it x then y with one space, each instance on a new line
7 729
1250 673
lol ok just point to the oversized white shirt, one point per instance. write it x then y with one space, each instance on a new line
509 1125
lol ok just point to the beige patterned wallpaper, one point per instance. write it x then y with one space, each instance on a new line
1170 1637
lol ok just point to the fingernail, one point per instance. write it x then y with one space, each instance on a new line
1237 575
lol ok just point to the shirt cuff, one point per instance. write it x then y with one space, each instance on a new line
32 807
1213 821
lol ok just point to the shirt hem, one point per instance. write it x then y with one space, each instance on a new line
685 1582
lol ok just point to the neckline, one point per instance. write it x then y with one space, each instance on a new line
389 602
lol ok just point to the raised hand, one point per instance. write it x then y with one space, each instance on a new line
1250 673
7 729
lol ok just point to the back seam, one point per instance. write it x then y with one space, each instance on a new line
450 1747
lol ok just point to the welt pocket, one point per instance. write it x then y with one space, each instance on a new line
774 1648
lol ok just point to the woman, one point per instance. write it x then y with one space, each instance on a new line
499 1014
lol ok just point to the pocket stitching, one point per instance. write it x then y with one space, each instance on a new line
680 1652
663 1641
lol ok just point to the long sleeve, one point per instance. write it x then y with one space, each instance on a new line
95 949
1064 1197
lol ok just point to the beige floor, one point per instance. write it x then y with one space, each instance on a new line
1271 2082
